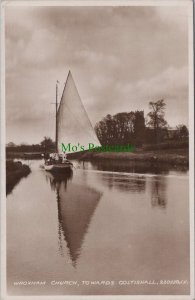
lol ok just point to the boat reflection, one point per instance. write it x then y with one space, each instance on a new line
76 205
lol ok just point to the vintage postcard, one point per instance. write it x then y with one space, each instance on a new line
97 150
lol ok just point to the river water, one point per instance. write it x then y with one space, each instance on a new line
105 229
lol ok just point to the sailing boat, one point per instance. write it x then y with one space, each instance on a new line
72 126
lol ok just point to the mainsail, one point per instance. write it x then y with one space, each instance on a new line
73 124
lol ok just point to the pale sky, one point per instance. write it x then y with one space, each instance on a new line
120 58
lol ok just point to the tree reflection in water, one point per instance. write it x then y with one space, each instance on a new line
135 184
76 204
158 192
139 167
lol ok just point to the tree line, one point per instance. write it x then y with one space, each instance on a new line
45 145
132 127
123 129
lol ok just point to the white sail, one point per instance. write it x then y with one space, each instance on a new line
73 124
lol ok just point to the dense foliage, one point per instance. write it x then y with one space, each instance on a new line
121 129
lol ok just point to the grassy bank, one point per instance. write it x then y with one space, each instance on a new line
14 172
169 156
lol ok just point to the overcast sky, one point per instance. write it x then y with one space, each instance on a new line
120 58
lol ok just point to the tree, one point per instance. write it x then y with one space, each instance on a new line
182 131
11 144
121 129
156 115
139 127
105 130
47 144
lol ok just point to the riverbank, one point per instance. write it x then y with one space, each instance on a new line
169 156
174 155
14 172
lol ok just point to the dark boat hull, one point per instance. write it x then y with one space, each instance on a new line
59 167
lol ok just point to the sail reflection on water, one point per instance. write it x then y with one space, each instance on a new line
76 205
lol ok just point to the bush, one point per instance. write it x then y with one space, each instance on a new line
14 172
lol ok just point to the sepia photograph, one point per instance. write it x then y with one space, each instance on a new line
97 149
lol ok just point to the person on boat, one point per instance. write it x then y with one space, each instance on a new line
51 157
60 158
56 157
64 157
45 156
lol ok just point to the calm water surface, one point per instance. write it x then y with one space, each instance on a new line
102 223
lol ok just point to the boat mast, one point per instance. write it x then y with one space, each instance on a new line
56 116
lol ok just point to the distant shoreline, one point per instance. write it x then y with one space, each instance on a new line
173 156
23 155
